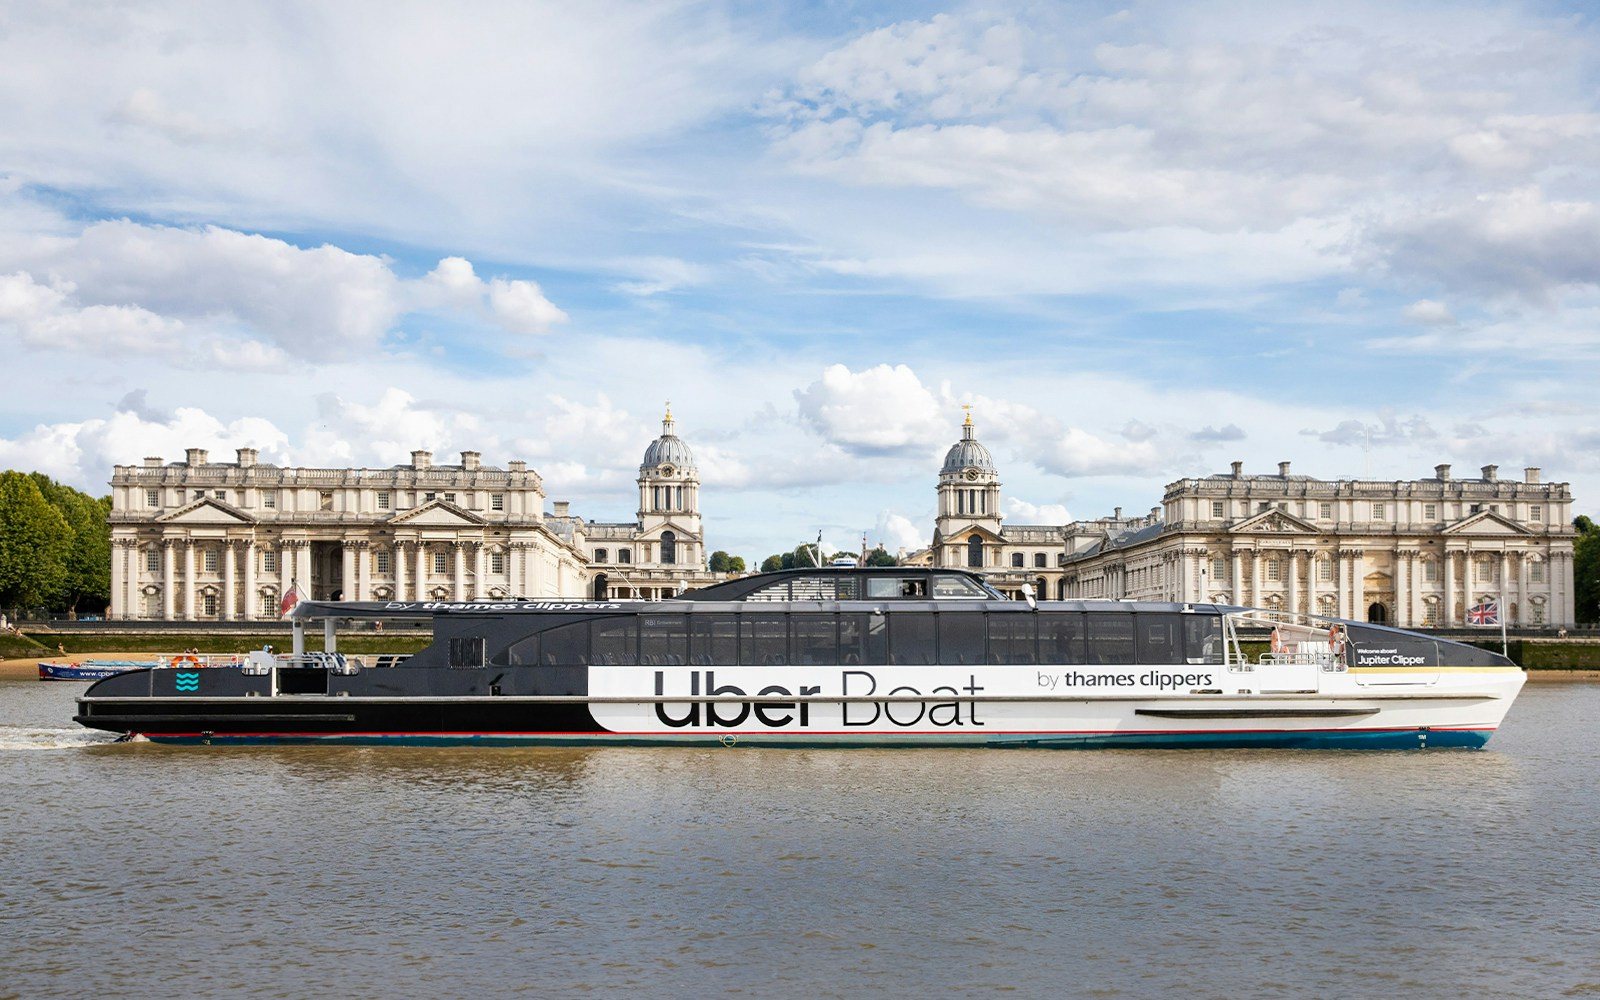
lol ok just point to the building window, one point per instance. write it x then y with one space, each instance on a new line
1262 507
1475 508
669 548
152 498
1324 569
152 559
269 562
497 562
1325 511
441 563
497 501
1016 560
208 560
1377 512
1485 570
325 500
1216 510
975 551
1536 513
624 555
208 605
199 494
1430 570
1219 569
1430 512
1274 569
1538 613
449 498
599 555
426 497
383 499
380 562
1039 561
1430 612
269 499
1536 572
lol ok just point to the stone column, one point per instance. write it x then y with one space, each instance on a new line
1235 585
363 570
188 581
347 570
1293 557
302 562
422 571
1358 585
285 567
399 557
230 582
1504 586
1311 581
480 570
119 579
1447 614
252 601
1256 600
458 553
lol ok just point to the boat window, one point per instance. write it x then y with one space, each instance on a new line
713 639
814 638
564 645
763 638
1110 637
957 586
911 639
863 639
614 642
1013 638
1202 638
961 638
663 639
1061 637
1159 639
466 651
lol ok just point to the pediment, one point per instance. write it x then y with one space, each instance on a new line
438 514
1485 522
1273 522
207 511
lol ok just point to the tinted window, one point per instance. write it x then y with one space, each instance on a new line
763 639
614 641
1012 638
713 639
813 639
1110 637
1061 637
1202 638
911 639
663 639
961 638
863 639
1159 638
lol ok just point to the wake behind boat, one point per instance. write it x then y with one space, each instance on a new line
853 657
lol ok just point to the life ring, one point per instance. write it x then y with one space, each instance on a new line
185 659
1277 641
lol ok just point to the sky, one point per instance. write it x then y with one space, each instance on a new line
1139 240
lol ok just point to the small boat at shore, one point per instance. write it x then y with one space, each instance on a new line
93 670
835 657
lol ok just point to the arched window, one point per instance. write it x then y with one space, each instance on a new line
599 555
669 548
975 551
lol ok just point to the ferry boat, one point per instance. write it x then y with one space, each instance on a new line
93 670
835 657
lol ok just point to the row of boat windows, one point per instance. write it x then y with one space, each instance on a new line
823 638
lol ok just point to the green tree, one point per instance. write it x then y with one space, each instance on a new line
881 557
35 544
88 564
805 554
1586 570
721 562
773 563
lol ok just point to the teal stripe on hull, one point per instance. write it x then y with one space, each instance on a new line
1332 739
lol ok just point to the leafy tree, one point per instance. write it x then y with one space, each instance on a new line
35 544
721 562
881 557
1586 570
775 562
88 563
805 554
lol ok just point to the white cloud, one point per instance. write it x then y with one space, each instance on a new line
1427 312
1020 511
882 410
520 306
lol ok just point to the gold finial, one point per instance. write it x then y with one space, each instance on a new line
968 408
669 410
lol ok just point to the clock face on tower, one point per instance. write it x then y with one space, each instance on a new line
666 470
972 475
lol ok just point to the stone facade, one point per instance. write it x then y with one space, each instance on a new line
968 532
1412 553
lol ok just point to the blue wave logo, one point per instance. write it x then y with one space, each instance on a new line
187 681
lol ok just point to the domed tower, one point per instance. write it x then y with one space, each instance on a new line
669 501
966 532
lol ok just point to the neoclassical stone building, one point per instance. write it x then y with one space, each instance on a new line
203 540
968 532
1413 553
662 551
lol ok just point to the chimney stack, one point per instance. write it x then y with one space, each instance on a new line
247 457
1238 469
1283 469
1490 472
421 459
561 507
1441 473
1530 475
471 460
196 456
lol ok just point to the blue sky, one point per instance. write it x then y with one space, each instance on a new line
1141 241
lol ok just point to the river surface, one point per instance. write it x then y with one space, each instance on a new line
139 870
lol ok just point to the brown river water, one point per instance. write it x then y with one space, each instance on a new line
141 871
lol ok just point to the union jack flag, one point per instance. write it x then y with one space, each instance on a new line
1487 613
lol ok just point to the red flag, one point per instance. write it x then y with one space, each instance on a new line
291 597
